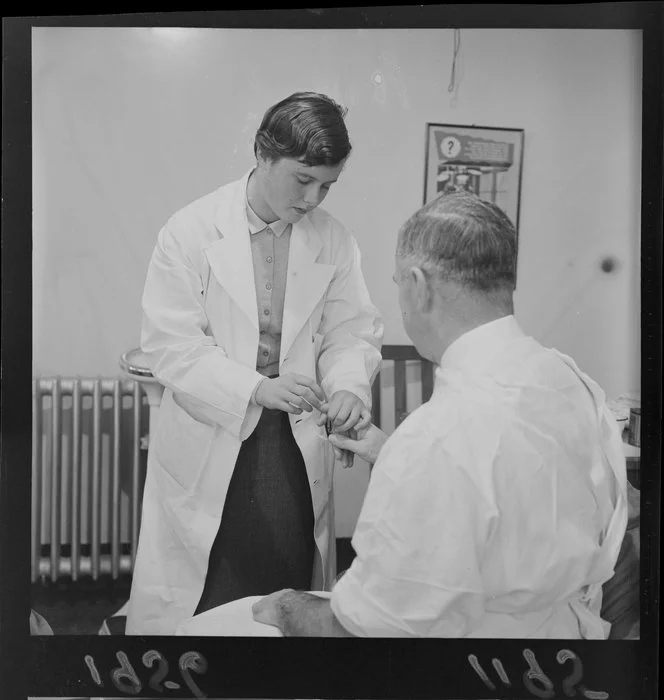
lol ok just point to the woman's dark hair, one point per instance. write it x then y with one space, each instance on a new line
307 126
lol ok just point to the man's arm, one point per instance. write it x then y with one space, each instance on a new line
299 614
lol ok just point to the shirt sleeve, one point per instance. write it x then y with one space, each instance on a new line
352 329
419 542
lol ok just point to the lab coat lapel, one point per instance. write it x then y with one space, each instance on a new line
230 257
306 283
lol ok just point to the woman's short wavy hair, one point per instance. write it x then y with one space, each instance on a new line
307 126
461 238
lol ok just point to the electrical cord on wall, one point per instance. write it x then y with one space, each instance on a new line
457 46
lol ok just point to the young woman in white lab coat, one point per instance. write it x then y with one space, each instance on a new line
255 314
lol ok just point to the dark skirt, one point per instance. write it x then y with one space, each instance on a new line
265 540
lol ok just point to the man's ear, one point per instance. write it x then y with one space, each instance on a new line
422 289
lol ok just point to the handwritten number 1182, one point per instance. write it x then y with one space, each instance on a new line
536 681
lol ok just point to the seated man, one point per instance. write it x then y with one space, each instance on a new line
498 508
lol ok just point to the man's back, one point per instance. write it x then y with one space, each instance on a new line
540 463
487 511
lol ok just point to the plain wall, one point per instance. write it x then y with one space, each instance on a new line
131 124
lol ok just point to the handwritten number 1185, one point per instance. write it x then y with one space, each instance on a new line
536 681
127 681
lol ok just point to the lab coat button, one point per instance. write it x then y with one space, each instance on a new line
316 482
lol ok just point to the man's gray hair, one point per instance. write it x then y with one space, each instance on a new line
461 238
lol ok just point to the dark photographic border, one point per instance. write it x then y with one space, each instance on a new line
316 668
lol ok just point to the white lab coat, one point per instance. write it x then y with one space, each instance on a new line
200 335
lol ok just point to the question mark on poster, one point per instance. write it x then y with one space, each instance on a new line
450 147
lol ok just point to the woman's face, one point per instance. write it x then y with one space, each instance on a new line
288 189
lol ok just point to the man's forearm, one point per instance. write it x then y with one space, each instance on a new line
305 615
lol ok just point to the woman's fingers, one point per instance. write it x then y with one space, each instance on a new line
321 417
342 413
364 420
309 385
302 403
351 420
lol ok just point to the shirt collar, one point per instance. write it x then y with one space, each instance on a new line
256 224
473 349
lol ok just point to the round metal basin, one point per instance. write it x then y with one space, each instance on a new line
133 362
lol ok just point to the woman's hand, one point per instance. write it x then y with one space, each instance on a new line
345 411
292 393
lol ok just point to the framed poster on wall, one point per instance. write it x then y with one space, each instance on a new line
484 160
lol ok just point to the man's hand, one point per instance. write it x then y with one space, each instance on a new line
367 443
292 393
267 610
298 614
344 457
